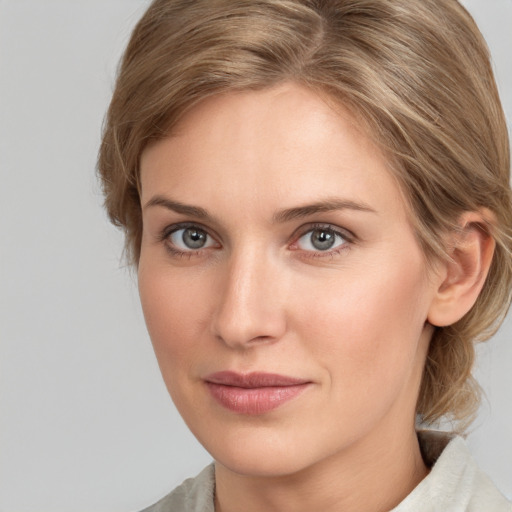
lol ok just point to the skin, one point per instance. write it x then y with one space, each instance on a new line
259 296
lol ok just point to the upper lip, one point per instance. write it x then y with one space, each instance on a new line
253 379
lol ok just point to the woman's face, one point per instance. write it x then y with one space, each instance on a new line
282 285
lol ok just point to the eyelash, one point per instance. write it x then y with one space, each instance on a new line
347 236
169 230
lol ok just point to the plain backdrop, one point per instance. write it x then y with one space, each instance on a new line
85 420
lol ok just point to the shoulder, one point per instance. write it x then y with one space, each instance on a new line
455 482
193 495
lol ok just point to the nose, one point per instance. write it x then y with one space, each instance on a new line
250 307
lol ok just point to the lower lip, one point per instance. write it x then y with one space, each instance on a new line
254 400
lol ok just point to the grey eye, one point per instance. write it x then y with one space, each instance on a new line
191 238
320 239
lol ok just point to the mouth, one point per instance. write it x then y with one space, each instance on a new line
254 393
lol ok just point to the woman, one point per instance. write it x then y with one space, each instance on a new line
316 196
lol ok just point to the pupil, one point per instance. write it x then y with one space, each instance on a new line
194 238
322 239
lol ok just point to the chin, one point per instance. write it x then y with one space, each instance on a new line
266 464
260 452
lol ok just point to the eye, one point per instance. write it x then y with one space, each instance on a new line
190 238
321 239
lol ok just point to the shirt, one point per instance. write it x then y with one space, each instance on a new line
454 484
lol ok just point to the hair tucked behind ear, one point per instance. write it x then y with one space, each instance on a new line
417 75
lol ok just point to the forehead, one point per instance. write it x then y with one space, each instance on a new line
271 147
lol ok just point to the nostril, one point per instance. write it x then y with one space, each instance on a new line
247 332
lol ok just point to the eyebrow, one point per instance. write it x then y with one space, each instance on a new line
282 216
328 205
178 207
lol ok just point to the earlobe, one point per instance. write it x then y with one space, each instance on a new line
462 277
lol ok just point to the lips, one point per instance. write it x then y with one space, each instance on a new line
253 393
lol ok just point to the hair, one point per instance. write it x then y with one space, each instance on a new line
415 73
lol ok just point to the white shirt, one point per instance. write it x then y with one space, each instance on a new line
454 484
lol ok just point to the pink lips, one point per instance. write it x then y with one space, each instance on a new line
253 393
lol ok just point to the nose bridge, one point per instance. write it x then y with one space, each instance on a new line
249 308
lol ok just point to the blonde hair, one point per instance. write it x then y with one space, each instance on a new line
417 75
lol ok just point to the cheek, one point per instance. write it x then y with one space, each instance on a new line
173 308
367 325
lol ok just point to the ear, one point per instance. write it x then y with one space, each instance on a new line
461 278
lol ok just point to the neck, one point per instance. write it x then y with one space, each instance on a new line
374 476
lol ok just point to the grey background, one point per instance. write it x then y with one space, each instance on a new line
85 420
